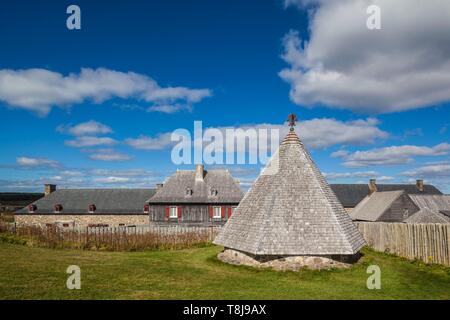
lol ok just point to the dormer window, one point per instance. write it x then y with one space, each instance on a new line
32 208
146 208
92 208
188 192
58 208
213 192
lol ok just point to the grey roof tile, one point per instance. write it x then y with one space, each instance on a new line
372 207
174 189
106 201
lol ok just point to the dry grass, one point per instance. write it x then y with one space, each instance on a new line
107 239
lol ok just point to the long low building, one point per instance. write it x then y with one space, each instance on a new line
88 207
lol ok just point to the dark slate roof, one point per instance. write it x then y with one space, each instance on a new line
291 210
174 189
106 201
351 194
18 199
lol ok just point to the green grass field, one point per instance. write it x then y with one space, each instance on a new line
37 273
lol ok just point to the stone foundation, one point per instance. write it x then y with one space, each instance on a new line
286 263
82 220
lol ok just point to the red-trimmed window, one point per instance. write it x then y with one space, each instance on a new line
146 208
173 214
32 208
217 213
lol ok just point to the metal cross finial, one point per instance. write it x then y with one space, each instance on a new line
292 118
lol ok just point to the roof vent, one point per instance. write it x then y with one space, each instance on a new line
213 192
188 192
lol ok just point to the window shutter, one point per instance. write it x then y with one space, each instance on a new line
179 212
211 213
167 212
222 209
230 211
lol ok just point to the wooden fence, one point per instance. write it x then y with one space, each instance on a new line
114 238
427 242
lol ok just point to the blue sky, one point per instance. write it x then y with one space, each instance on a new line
371 104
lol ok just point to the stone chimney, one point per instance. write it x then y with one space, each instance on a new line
199 173
419 184
49 188
159 186
372 186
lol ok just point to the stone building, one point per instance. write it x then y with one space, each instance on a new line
399 206
195 197
290 211
88 207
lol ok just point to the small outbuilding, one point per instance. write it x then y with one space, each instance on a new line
399 206
291 213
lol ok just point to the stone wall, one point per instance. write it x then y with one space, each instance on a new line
83 220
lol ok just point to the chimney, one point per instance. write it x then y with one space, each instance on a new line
199 173
372 186
419 184
49 188
159 186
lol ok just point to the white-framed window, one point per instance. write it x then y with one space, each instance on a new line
173 212
217 213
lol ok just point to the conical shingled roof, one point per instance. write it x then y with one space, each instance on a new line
291 210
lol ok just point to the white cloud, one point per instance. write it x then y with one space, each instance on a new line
121 173
86 141
169 108
27 162
343 64
315 133
39 90
112 179
159 142
110 156
432 170
393 155
359 174
85 128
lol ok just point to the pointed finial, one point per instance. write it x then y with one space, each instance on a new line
292 118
